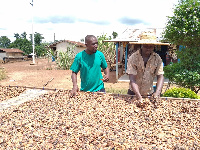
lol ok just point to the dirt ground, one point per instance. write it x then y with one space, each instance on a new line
44 74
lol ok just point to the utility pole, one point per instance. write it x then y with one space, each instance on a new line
33 42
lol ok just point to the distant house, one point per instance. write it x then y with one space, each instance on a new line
11 54
64 45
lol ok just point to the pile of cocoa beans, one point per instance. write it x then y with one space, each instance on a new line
10 92
100 121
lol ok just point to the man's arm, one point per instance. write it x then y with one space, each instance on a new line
75 86
159 85
134 86
106 76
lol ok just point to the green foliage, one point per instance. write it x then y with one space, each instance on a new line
114 34
190 58
26 46
184 27
37 38
65 59
2 74
22 44
41 50
23 35
116 91
182 76
16 35
180 93
4 42
107 48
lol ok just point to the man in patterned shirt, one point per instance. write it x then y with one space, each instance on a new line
143 66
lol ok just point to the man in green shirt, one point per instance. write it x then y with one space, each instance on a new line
89 62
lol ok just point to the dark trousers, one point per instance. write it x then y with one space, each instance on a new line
102 90
130 92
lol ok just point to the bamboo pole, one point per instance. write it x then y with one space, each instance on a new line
103 93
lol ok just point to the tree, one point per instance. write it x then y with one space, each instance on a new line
82 40
16 35
40 50
114 34
39 47
37 38
23 35
183 29
108 48
4 42
25 45
22 44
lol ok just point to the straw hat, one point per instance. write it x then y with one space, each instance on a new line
148 37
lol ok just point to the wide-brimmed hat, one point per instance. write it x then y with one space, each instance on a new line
148 37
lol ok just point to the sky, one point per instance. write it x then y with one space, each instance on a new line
74 19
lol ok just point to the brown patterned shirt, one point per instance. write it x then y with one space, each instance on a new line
144 76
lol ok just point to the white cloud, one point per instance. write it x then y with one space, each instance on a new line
74 19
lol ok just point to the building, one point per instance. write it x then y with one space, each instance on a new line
67 46
12 54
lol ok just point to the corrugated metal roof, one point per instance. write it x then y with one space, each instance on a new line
11 50
134 36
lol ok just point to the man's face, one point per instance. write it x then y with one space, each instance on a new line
92 45
147 48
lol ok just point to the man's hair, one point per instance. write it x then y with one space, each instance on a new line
88 37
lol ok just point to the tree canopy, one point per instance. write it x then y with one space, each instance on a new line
25 45
4 42
183 29
22 44
114 34
37 38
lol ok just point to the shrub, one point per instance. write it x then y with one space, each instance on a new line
116 91
183 29
107 48
184 77
180 93
2 74
65 59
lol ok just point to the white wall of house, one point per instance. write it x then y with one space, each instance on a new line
62 47
2 55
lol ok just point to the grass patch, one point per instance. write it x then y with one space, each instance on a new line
116 91
2 74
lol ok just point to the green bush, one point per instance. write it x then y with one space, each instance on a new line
180 93
64 60
2 74
107 48
116 91
183 76
183 30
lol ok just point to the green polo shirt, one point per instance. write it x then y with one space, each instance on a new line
90 70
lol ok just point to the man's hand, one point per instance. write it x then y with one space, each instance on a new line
155 96
73 91
154 99
105 78
141 103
